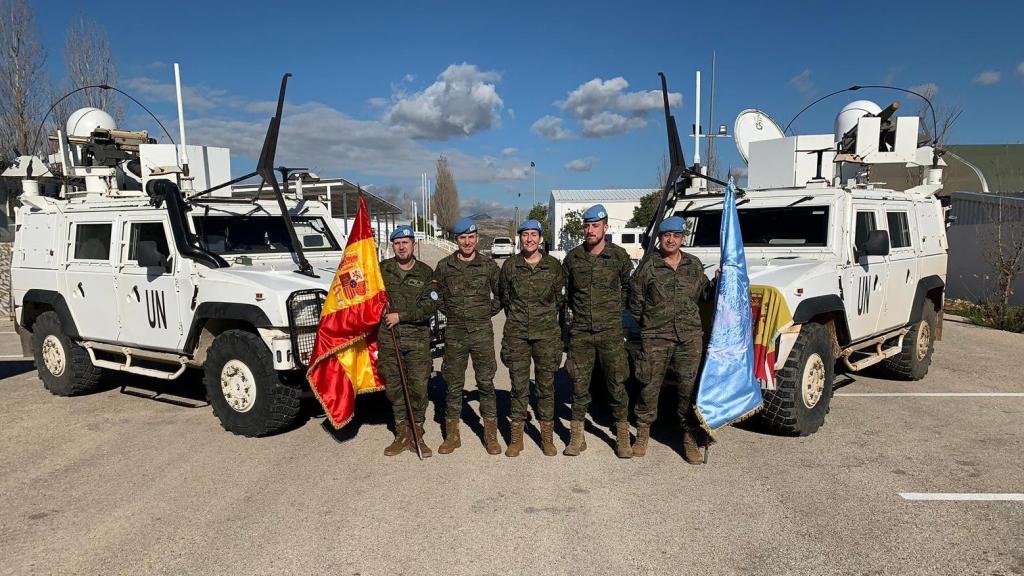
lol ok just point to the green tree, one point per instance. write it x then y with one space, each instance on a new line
572 229
644 212
539 212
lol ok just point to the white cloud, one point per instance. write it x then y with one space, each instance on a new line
511 113
514 173
604 108
550 127
607 124
377 101
580 165
1020 70
988 77
510 152
804 83
928 89
463 100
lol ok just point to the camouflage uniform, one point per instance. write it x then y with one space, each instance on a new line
465 290
410 298
531 297
597 289
664 302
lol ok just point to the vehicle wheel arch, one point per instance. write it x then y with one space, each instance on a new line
929 288
213 318
37 301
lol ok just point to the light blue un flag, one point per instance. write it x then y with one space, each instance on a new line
728 391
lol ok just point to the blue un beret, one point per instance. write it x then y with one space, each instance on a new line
464 226
530 225
403 231
595 213
672 224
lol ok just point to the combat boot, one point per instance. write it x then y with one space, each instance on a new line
491 436
402 440
547 438
643 434
516 446
622 449
425 450
452 440
577 442
691 450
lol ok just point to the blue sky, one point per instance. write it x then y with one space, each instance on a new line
380 90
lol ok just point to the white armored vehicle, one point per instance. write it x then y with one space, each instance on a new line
857 269
129 257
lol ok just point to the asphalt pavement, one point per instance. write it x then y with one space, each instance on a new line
112 483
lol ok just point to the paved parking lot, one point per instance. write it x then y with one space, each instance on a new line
116 484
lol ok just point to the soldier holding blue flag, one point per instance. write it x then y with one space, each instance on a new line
663 298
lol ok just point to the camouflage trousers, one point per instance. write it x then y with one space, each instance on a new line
459 345
546 354
607 348
657 357
418 366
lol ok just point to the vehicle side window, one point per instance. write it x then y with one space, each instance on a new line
92 241
147 231
899 229
865 224
629 238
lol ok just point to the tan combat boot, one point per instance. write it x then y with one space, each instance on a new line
491 436
402 440
516 446
424 449
547 438
643 434
622 449
577 442
452 440
691 450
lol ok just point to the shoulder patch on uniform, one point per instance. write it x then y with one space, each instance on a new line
414 282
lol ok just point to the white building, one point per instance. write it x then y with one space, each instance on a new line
618 202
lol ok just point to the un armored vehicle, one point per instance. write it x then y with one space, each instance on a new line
854 270
129 257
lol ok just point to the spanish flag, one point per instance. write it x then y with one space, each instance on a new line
344 359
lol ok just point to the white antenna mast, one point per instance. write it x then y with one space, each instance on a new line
696 126
182 151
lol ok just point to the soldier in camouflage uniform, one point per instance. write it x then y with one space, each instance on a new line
409 287
663 298
531 292
467 282
597 282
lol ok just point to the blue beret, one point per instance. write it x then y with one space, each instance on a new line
403 231
530 225
595 213
464 226
673 224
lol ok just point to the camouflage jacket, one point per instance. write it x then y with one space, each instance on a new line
531 297
468 291
664 301
410 297
597 287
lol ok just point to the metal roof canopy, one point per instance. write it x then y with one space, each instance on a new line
343 199
606 195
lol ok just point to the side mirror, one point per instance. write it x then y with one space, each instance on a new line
877 244
148 256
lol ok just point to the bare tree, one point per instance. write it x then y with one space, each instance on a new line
1006 255
446 195
88 61
23 84
946 116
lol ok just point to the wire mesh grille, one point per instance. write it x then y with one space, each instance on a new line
304 308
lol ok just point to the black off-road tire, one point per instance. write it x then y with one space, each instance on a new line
75 373
786 410
275 405
913 361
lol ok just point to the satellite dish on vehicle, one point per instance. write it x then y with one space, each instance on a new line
851 113
753 126
83 121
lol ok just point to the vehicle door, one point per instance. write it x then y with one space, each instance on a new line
901 221
149 296
865 277
89 285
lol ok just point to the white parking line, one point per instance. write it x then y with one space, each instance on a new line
932 394
963 496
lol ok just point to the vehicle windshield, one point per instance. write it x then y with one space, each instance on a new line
240 234
502 241
796 226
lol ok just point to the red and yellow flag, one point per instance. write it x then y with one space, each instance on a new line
344 360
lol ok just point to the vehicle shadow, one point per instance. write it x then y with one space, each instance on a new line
9 368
